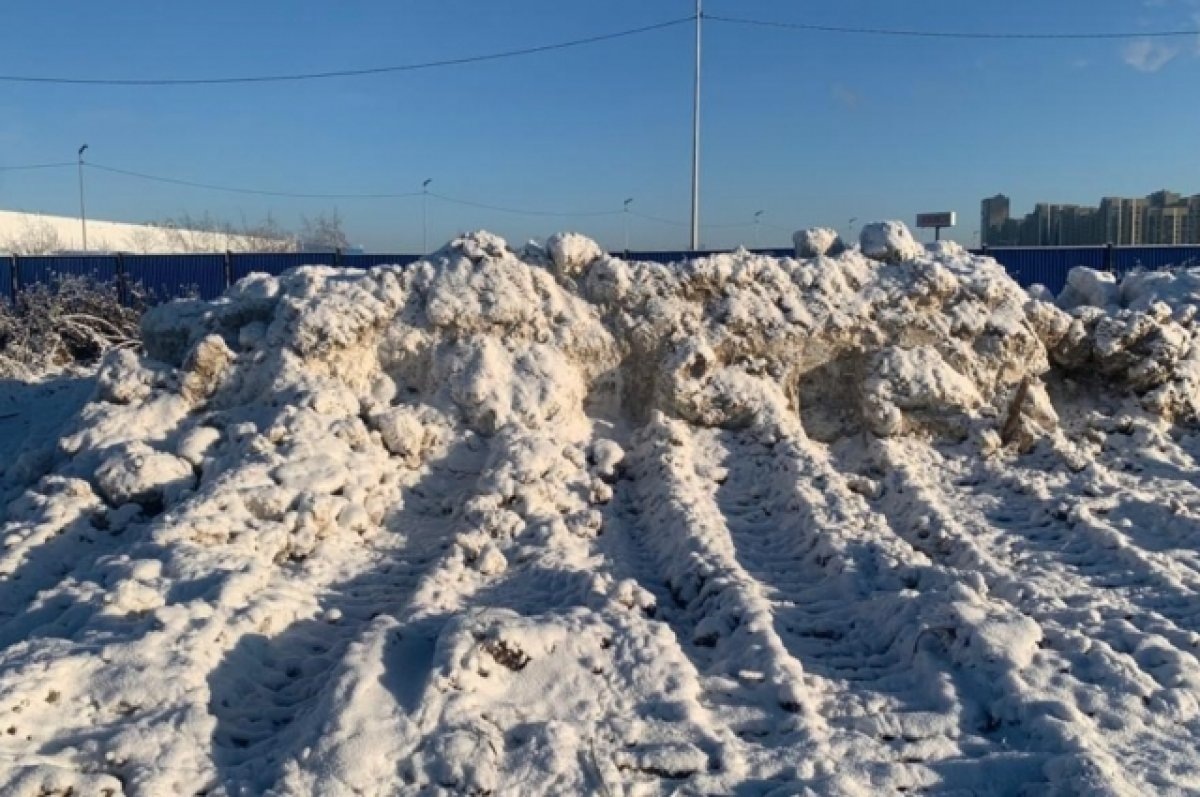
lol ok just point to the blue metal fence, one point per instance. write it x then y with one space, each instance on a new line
164 277
46 270
370 261
275 263
1154 257
6 279
1048 266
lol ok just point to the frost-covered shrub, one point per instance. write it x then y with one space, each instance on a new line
73 320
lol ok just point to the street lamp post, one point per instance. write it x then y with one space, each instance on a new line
625 213
425 216
82 211
757 229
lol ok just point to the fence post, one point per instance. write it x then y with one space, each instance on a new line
228 269
1108 258
337 257
15 277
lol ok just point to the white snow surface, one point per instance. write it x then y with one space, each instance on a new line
548 522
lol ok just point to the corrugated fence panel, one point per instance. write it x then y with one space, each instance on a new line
370 261
678 256
171 276
166 277
1047 267
275 263
1154 257
780 253
48 270
6 278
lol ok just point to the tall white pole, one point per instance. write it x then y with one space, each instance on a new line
628 202
696 138
82 212
425 216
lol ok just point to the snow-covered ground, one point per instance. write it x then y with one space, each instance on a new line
548 522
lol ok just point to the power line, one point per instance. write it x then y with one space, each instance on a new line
659 219
31 166
158 178
237 190
521 212
304 195
338 73
1158 34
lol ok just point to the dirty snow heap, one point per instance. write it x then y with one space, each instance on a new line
545 521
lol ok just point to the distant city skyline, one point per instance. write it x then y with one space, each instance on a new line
1161 218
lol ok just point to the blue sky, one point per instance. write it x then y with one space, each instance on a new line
810 128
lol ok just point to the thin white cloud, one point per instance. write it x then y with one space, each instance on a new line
1147 55
844 96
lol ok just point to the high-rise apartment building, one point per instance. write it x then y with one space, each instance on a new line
996 226
1163 217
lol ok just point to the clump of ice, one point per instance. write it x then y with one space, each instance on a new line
551 522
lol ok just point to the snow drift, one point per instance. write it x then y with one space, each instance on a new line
550 522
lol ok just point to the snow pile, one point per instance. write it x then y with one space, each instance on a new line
550 522
889 240
1141 335
818 241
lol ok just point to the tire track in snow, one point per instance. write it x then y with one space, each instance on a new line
718 613
869 616
388 676
734 584
963 514
265 688
843 594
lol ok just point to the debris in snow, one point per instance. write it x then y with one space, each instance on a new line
551 522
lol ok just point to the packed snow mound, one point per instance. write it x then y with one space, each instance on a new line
889 240
1139 335
551 522
571 253
818 241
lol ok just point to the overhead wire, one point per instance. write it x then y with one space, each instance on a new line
602 37
659 219
524 212
343 73
240 190
32 166
344 195
944 34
